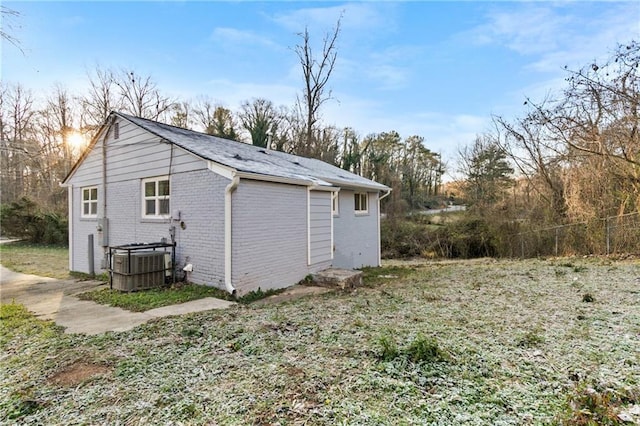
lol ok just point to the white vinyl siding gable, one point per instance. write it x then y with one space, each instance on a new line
89 209
156 198
320 227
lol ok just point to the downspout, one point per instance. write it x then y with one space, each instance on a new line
228 191
379 244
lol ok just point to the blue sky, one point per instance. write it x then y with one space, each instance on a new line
434 69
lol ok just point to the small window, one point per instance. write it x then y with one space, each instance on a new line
335 204
361 202
155 197
89 202
116 130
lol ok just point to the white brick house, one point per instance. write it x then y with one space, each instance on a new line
244 217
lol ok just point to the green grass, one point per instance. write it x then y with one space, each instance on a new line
36 259
141 301
375 276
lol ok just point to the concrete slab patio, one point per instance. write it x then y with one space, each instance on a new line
52 299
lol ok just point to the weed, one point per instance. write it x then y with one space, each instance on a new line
530 339
388 348
81 276
421 349
257 295
588 298
20 405
579 268
597 405
426 350
307 280
374 276
560 272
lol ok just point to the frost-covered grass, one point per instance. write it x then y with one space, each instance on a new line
470 342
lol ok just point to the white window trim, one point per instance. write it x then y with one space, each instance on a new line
366 198
156 197
88 201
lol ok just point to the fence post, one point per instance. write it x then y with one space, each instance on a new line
92 270
522 246
556 249
608 234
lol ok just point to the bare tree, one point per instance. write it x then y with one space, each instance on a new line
101 98
140 95
7 16
203 112
56 128
316 73
181 114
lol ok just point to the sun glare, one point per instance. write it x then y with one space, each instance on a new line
76 140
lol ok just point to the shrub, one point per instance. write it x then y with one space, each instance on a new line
466 237
27 220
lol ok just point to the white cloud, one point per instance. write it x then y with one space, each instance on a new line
557 35
355 16
234 93
234 36
388 77
528 30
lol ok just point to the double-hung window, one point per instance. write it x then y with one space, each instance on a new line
155 200
89 202
361 201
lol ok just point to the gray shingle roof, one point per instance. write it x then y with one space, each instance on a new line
252 159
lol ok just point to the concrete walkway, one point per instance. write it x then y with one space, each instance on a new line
52 299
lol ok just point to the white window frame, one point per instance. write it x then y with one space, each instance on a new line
335 203
156 198
89 201
361 195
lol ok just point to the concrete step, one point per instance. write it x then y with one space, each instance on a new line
338 278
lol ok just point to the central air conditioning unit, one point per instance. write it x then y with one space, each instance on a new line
140 270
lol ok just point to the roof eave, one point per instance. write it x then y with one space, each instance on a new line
104 127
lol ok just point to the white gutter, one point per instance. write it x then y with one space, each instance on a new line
228 191
379 244
274 179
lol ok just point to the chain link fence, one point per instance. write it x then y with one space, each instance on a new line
611 235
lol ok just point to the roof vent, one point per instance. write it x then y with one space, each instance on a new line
237 157
264 151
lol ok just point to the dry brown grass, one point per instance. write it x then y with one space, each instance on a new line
36 259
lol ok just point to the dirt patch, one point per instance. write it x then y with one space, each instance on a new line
77 373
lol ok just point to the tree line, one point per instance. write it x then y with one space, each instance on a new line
39 132
572 157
